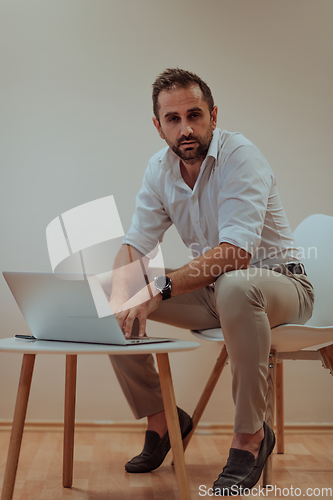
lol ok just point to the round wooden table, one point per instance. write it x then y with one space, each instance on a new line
30 348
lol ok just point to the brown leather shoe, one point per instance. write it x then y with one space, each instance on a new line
156 448
242 471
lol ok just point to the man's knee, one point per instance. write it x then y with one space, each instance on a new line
236 293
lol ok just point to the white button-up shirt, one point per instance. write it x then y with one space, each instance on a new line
234 200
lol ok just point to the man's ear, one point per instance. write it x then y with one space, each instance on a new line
214 117
158 126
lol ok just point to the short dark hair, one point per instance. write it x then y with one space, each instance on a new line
173 78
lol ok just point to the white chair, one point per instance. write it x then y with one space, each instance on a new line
314 340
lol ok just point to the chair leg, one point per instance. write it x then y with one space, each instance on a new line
327 357
279 408
69 420
18 425
269 417
173 424
207 392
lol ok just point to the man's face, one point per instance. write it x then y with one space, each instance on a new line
185 122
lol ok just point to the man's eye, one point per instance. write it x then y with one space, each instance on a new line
194 115
173 118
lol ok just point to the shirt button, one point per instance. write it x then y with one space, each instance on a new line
196 222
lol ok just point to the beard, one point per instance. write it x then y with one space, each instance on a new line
193 152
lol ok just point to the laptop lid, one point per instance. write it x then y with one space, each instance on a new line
63 309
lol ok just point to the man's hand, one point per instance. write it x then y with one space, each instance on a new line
139 306
199 273
129 290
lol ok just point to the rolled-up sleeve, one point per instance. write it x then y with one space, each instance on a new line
150 220
246 182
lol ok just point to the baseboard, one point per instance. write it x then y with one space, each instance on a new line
203 428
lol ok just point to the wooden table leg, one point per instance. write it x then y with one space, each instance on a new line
70 392
18 425
173 424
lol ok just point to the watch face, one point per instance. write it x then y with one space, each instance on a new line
161 282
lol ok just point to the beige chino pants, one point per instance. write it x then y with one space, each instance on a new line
246 304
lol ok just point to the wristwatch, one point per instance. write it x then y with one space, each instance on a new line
163 285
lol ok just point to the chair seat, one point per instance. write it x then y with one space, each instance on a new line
289 337
213 334
285 338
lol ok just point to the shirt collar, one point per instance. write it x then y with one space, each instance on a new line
214 143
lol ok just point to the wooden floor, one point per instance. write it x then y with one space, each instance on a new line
99 467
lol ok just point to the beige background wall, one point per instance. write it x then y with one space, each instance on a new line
76 126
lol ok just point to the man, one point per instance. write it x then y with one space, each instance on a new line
220 192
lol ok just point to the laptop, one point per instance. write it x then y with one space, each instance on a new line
66 310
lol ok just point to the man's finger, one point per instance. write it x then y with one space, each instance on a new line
121 319
128 325
142 326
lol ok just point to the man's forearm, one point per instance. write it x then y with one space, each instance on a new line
197 274
204 270
128 275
